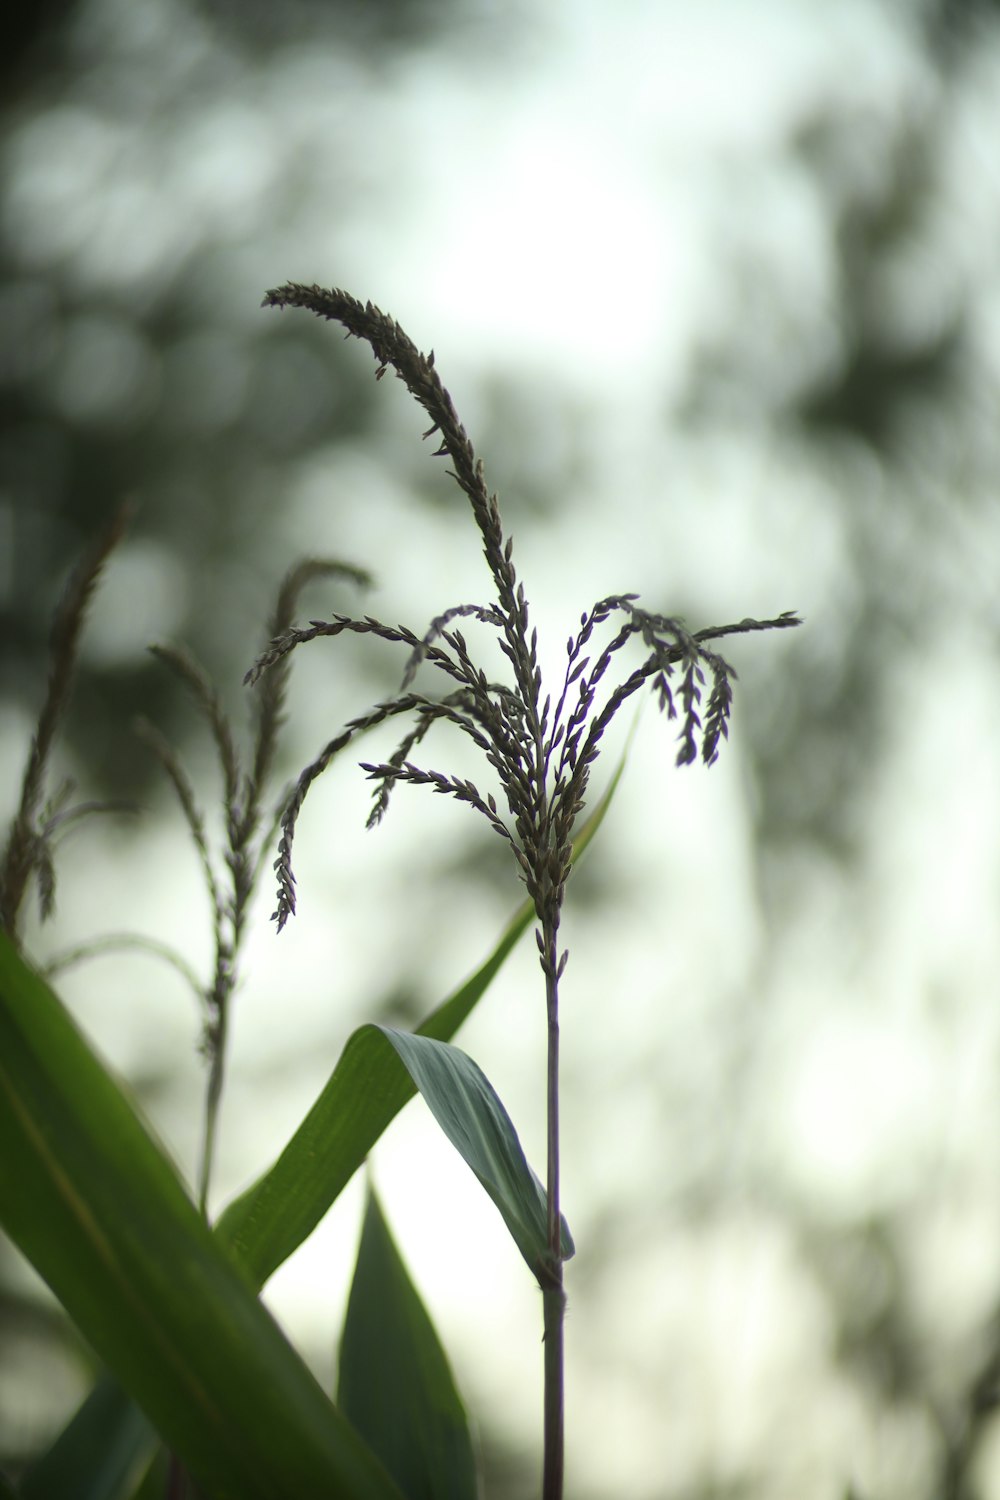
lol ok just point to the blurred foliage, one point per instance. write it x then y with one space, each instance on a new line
152 374
898 411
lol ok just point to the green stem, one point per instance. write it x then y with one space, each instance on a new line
213 1099
553 1296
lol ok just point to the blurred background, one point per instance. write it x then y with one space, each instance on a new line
716 291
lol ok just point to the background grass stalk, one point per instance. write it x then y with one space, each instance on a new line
231 879
31 837
213 1100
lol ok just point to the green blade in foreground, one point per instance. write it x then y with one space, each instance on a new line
100 1455
363 1095
395 1385
98 1209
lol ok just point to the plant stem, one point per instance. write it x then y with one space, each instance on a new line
213 1098
553 1296
241 863
553 1311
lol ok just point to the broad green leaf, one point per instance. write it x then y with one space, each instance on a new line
363 1095
468 1109
395 1385
379 1070
99 1455
99 1210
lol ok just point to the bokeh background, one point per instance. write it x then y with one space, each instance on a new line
716 290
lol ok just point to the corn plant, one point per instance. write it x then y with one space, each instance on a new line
202 1392
540 745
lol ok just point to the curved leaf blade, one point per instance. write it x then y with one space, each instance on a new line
468 1109
363 1095
395 1385
99 1210
271 1219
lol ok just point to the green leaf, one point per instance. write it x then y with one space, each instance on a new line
379 1070
468 1109
7 1490
100 1455
395 1385
363 1095
99 1210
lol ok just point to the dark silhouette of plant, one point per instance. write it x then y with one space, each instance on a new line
248 829
43 818
40 819
542 751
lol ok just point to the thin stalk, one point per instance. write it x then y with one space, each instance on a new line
553 1313
553 1296
241 866
242 862
213 1099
